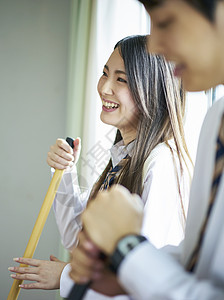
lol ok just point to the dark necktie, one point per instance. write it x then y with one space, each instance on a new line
113 172
217 173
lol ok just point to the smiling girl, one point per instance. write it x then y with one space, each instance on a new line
143 100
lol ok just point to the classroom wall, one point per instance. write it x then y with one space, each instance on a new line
34 36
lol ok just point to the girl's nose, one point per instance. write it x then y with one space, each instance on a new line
107 87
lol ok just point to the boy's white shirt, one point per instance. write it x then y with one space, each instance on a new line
147 273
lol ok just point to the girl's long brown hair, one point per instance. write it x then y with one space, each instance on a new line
161 105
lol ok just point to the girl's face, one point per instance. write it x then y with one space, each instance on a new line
118 107
183 35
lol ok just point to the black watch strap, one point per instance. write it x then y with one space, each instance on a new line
124 246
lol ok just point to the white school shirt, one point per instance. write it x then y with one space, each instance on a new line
148 273
163 216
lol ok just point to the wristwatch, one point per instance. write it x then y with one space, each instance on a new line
124 246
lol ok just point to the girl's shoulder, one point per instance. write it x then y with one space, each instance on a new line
162 150
162 153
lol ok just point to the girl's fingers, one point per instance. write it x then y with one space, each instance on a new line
31 277
54 258
23 270
28 261
57 162
77 149
46 273
55 165
33 285
62 149
62 153
60 160
61 143
77 144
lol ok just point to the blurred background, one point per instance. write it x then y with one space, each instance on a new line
52 53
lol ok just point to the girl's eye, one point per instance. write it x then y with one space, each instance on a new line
104 74
121 80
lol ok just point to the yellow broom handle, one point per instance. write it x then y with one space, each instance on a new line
38 227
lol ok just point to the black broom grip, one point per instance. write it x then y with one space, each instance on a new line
70 142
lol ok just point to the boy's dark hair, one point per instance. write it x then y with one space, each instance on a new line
206 7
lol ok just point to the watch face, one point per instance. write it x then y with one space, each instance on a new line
128 243
124 246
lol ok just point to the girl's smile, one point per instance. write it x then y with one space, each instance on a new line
118 106
109 105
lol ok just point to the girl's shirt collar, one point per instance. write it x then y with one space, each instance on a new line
119 151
